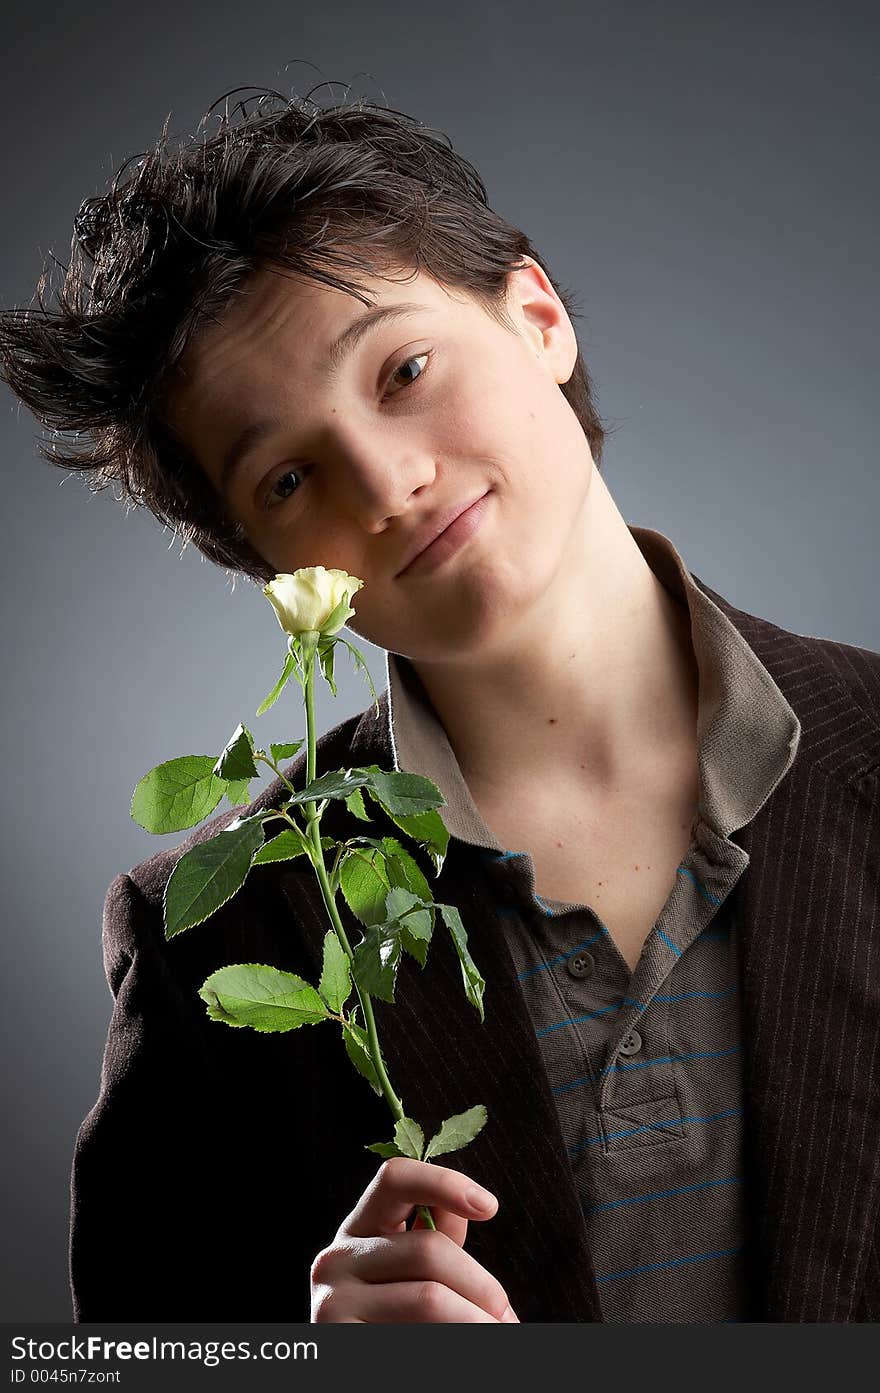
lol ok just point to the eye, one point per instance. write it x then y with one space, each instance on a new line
279 479
405 364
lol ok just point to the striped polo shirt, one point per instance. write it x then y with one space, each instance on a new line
645 1065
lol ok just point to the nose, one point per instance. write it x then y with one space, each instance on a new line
381 476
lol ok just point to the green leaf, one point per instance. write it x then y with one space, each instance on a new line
339 783
287 845
325 654
177 794
355 804
285 750
408 924
364 881
401 793
262 997
335 983
237 760
239 792
431 833
209 875
375 961
416 936
366 877
360 665
474 984
335 618
414 920
456 1132
386 1149
286 674
358 1050
410 1138
404 871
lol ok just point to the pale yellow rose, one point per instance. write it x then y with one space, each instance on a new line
312 599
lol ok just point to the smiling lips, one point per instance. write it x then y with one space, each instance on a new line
453 525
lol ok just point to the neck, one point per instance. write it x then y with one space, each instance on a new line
604 701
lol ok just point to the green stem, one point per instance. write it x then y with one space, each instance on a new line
272 765
313 832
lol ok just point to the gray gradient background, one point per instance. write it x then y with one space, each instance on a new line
701 174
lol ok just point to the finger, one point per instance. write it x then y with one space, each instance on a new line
406 1303
400 1184
446 1222
429 1257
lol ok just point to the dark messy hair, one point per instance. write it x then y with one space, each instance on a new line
311 190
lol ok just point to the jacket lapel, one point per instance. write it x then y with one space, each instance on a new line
807 933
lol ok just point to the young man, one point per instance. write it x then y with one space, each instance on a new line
663 811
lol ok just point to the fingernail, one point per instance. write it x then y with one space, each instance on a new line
479 1199
509 1316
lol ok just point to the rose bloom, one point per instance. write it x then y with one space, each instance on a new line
312 599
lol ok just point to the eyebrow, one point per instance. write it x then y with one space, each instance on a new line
256 432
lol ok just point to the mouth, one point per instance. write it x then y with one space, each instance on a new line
448 537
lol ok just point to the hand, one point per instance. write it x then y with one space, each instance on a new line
377 1271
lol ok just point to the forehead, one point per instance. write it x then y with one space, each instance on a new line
272 304
278 323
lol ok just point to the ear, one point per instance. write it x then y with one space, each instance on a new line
542 319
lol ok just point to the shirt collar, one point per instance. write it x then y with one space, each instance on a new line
747 733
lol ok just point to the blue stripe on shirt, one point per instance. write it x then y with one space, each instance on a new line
576 1020
673 1262
649 1063
663 1194
669 944
707 894
629 1001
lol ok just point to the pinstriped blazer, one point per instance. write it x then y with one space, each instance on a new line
217 1162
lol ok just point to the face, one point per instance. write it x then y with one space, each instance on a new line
423 412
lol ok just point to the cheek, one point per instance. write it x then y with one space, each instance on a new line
307 540
482 410
374 626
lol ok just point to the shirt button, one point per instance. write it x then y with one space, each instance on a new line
632 1044
581 965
